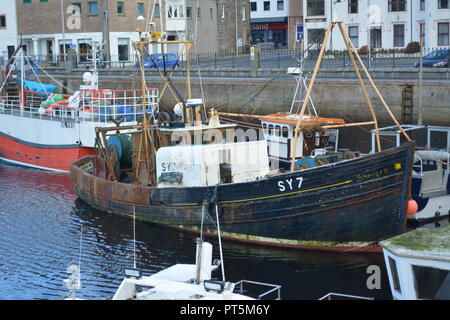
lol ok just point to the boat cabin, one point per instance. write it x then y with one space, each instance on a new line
418 264
211 164
312 140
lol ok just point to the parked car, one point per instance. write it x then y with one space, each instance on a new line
436 59
158 60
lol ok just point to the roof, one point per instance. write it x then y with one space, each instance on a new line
422 243
308 120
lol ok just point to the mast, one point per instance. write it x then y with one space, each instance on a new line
352 52
22 79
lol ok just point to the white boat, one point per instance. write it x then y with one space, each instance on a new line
187 282
430 187
43 129
418 264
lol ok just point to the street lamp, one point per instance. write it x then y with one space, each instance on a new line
140 20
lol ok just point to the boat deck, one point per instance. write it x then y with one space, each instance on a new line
422 243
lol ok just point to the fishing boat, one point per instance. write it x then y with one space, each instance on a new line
171 172
418 264
44 129
430 187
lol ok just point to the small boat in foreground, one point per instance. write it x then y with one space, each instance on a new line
189 282
418 264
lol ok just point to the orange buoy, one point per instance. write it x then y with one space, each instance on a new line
412 208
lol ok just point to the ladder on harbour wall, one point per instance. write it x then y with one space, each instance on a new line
407 105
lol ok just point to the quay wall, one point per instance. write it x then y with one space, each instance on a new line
332 97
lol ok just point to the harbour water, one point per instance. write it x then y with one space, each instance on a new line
44 228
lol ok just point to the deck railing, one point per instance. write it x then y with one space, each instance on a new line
86 105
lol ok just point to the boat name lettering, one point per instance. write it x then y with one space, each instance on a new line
372 175
68 125
168 166
290 184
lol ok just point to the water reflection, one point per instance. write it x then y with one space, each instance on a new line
42 223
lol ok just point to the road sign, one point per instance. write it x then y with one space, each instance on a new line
299 30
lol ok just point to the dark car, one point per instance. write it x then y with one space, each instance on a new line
435 59
158 60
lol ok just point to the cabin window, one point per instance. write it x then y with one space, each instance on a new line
285 132
277 131
431 283
265 128
394 274
270 129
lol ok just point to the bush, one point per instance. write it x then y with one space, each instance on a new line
365 50
412 47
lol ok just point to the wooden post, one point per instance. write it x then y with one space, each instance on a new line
361 82
378 93
308 92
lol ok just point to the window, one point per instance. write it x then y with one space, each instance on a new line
431 283
352 6
285 132
443 34
443 4
244 10
253 6
123 49
315 36
376 37
397 5
76 11
280 5
422 5
199 13
277 131
270 129
223 11
156 10
3 21
93 8
353 33
189 12
399 35
120 8
26 1
43 0
315 8
394 274
140 9
211 14
266 5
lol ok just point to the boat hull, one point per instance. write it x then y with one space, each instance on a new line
350 205
47 157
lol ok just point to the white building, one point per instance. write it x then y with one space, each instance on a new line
392 23
269 22
8 28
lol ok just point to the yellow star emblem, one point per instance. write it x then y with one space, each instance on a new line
398 166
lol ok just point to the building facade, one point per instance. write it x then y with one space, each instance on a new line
382 24
269 23
192 20
47 26
233 24
8 28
